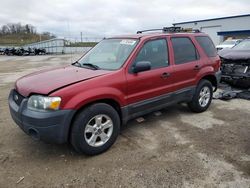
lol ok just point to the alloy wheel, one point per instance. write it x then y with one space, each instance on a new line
98 130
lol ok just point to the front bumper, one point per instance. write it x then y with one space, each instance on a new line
237 80
235 76
218 78
52 126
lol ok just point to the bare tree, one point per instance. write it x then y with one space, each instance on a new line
5 29
26 29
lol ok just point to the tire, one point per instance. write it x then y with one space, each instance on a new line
89 134
196 105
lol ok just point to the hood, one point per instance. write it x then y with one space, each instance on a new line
46 81
225 46
234 54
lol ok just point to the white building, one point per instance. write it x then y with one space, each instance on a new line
57 46
219 29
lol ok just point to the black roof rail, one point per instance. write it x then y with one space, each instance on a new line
142 31
171 30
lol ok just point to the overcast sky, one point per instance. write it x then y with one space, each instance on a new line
104 18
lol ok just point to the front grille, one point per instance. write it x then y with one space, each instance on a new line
17 97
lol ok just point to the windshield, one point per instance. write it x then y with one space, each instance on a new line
244 45
109 54
228 42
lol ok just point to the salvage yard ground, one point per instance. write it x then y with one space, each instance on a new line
174 148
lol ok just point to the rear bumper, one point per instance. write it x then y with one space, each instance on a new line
52 127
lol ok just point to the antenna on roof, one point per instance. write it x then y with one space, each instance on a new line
70 45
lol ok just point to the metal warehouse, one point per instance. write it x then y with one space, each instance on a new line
51 46
219 29
56 46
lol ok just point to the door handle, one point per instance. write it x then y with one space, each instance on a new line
165 75
197 67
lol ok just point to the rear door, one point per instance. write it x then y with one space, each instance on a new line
149 89
187 62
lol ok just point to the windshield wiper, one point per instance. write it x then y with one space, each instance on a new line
91 65
77 64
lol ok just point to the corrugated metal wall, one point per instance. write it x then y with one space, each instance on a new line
57 46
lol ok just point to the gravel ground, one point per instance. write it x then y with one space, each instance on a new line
173 148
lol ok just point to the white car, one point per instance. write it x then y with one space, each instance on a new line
228 44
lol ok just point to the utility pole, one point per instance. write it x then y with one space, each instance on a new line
81 36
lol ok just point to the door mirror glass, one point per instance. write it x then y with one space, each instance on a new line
141 66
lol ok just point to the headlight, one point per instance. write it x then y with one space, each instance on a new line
39 102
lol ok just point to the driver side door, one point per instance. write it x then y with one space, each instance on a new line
150 89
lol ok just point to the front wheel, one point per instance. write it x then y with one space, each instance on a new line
202 97
95 129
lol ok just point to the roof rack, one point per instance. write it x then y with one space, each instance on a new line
171 30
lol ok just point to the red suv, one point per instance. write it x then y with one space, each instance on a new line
121 78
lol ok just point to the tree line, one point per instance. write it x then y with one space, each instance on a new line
18 28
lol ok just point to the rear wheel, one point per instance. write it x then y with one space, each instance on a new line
95 129
202 97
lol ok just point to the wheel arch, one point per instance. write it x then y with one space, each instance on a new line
108 101
211 78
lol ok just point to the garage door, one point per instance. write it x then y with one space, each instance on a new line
212 32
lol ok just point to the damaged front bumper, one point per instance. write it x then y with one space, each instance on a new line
236 73
51 127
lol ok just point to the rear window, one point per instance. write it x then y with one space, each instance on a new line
207 45
184 50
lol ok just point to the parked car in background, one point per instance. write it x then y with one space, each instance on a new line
10 51
1 51
40 51
20 51
236 64
228 44
121 78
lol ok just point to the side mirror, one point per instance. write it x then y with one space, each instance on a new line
141 66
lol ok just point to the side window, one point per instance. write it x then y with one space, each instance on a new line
156 52
207 45
184 50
